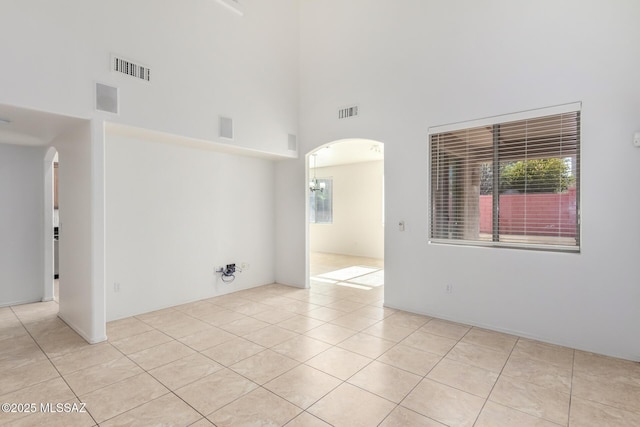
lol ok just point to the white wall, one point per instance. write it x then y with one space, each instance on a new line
81 290
357 228
174 211
21 224
426 63
205 61
292 261
409 66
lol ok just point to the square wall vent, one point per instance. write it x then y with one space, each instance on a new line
106 98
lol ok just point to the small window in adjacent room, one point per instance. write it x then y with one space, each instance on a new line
321 202
509 181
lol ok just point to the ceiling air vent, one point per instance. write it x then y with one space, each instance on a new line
130 68
345 113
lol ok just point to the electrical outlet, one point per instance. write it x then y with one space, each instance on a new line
449 288
116 287
245 266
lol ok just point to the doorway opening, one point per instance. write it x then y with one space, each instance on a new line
51 226
345 219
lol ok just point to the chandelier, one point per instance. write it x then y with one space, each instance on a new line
314 185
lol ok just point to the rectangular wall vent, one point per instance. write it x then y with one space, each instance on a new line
225 127
130 68
292 143
345 113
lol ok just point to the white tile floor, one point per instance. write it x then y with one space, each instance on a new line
330 355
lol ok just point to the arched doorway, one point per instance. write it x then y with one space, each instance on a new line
345 215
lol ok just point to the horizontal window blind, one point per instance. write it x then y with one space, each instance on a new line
508 183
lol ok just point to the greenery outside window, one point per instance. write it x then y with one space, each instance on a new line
508 181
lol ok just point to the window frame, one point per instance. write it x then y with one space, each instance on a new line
313 207
497 120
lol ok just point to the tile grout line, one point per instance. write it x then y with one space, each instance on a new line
53 364
228 367
496 382
573 368
300 364
170 390
397 404
424 377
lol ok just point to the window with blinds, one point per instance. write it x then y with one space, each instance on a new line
508 181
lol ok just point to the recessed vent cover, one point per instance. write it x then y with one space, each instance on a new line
346 112
226 127
292 143
130 68
106 98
